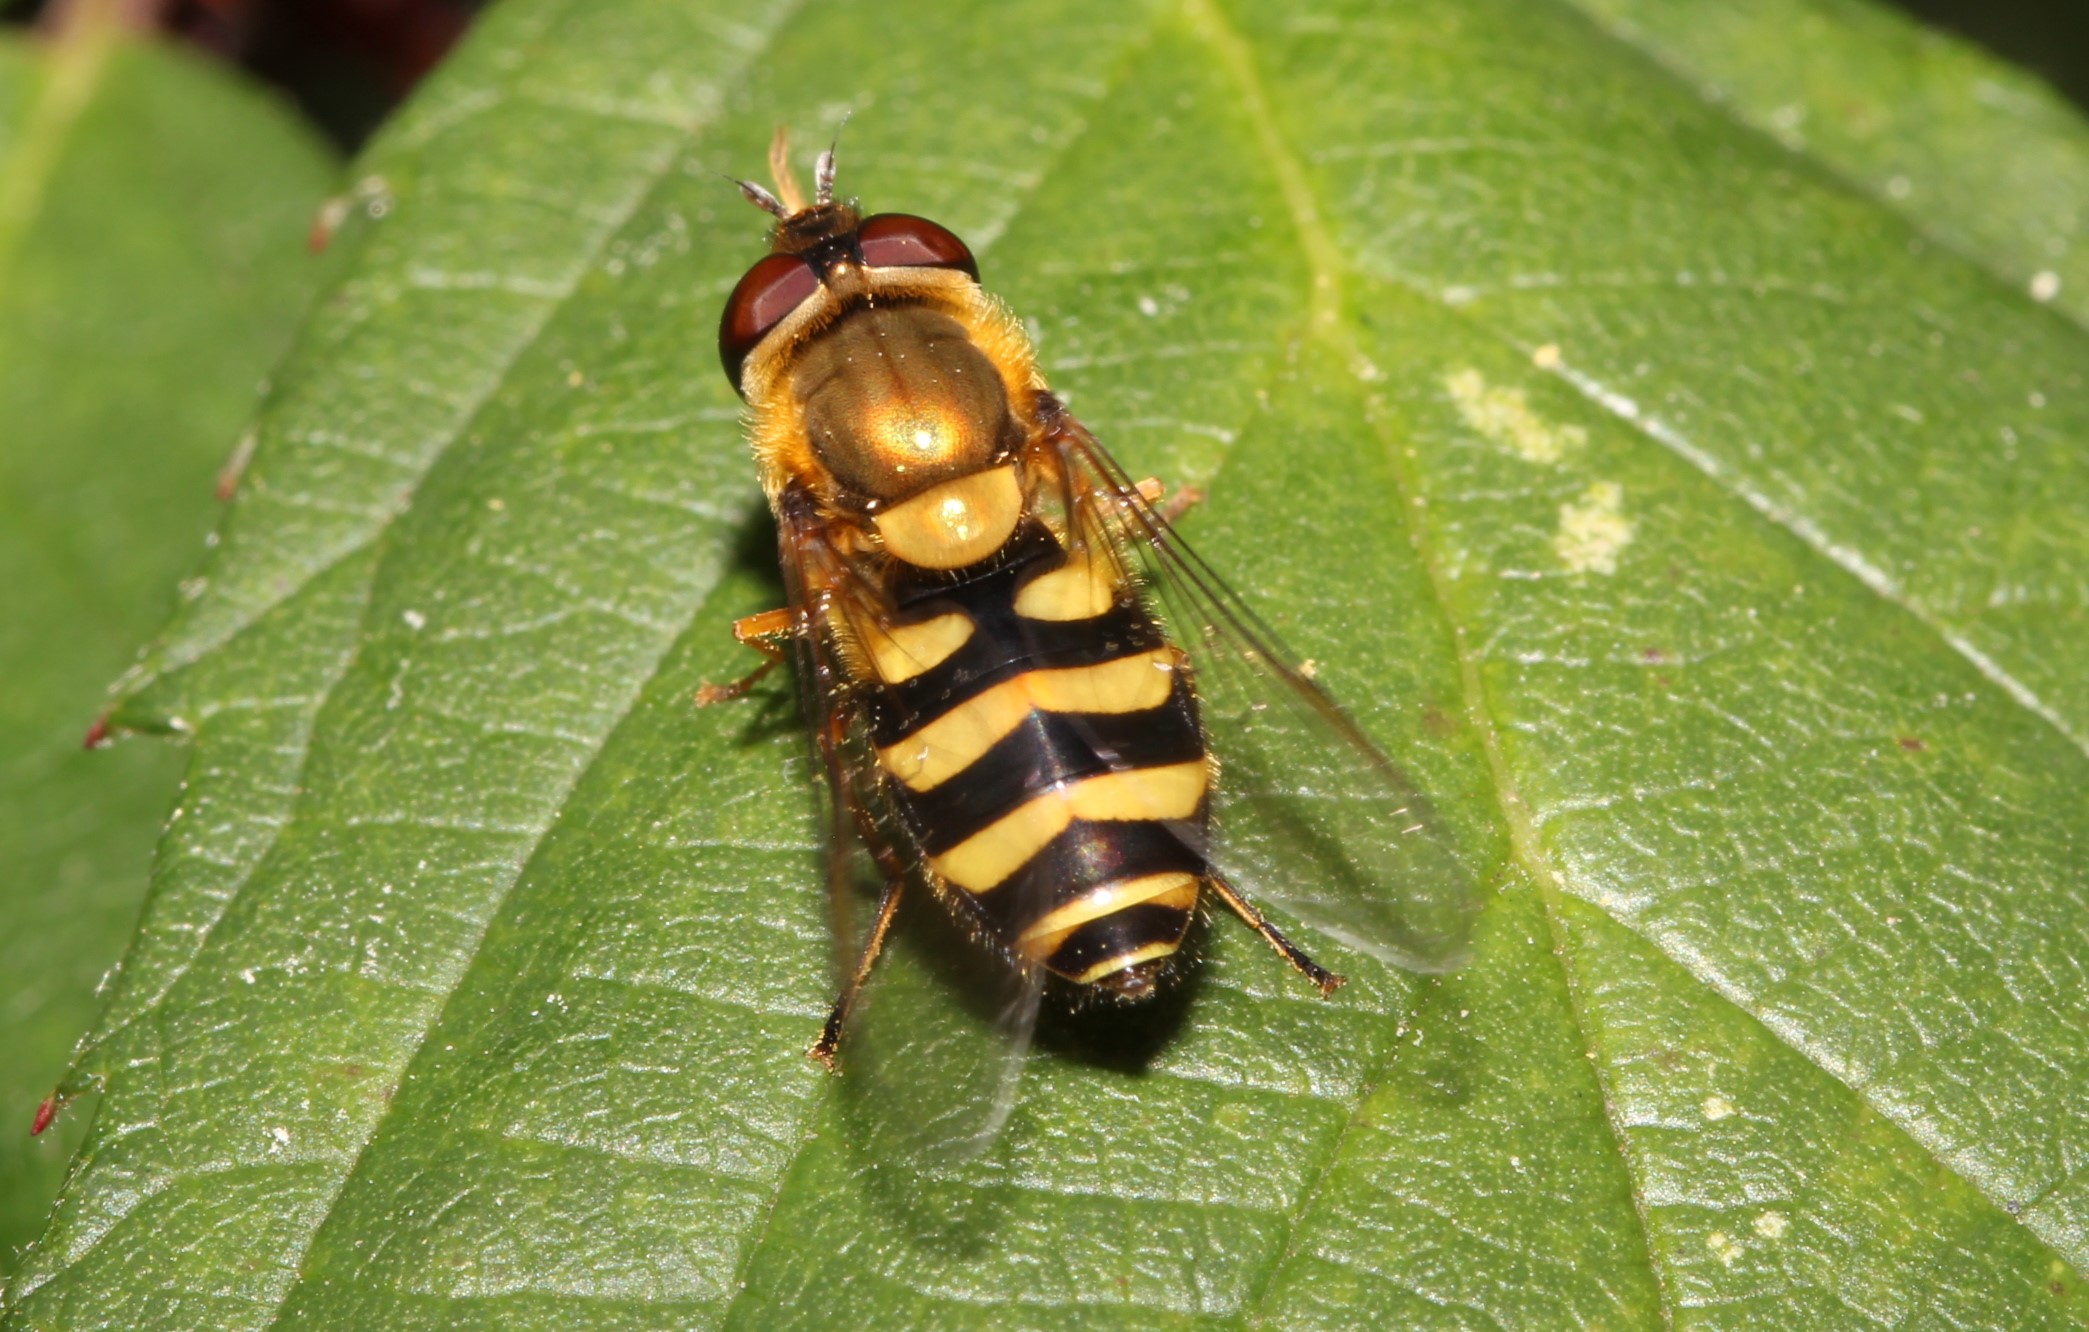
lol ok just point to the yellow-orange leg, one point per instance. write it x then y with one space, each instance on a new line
828 1045
765 633
1327 980
1189 497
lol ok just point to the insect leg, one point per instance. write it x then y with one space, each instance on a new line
1189 497
1327 980
764 633
828 1045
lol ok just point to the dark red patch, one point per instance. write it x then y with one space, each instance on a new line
45 1113
97 734
1652 654
1911 744
766 295
901 240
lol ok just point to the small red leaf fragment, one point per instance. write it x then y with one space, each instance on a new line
45 1113
235 468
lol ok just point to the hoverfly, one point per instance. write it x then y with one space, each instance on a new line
1033 702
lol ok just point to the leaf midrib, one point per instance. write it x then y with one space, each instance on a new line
1523 834
1324 257
1849 563
1329 325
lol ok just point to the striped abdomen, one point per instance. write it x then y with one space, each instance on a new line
1042 746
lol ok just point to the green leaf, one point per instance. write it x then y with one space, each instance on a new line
1706 540
151 267
1981 156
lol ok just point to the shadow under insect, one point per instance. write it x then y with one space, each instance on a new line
754 552
773 708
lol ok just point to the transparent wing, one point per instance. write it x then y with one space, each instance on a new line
1308 813
934 1047
934 1052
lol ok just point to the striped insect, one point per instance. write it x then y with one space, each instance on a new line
1032 701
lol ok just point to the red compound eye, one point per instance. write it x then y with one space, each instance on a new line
772 289
901 240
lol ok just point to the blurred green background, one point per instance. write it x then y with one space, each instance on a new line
346 62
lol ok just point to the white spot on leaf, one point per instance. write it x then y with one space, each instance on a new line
1593 529
1504 416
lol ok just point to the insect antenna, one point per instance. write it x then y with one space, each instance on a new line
760 197
823 178
823 170
787 200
